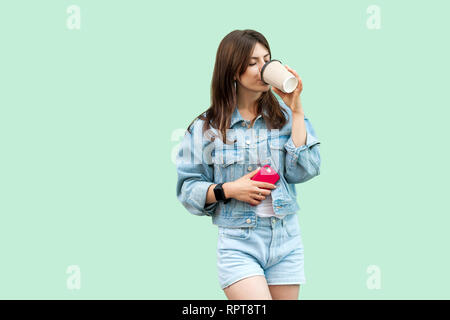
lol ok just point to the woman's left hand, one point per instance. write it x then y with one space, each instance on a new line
292 99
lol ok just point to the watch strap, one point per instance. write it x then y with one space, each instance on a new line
220 194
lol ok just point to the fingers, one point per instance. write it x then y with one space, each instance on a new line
294 73
258 197
251 174
281 93
264 192
266 185
278 92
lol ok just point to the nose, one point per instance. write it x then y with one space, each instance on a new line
260 77
260 66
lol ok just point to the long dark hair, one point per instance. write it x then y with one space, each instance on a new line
233 55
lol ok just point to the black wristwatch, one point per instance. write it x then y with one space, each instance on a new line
220 195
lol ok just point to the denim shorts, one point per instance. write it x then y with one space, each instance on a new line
272 248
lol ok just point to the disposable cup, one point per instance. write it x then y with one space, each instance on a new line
275 74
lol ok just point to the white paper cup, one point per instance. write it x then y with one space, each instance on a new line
275 74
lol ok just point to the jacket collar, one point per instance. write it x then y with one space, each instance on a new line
236 117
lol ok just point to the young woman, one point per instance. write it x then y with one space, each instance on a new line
260 251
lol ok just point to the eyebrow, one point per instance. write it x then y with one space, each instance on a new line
257 57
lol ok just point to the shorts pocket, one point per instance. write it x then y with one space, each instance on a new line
292 227
234 233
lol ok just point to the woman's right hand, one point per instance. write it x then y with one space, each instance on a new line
247 190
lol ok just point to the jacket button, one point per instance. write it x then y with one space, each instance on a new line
249 221
249 168
243 123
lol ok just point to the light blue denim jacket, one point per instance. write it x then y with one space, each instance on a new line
201 162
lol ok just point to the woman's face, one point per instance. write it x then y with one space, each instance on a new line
251 78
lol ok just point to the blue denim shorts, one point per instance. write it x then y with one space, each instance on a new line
272 248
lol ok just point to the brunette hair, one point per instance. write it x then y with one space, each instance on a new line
233 56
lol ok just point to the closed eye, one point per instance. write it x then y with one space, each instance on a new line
252 64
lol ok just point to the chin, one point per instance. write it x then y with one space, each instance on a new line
261 90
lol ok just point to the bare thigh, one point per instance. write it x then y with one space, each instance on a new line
284 292
250 288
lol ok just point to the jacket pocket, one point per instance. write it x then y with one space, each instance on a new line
277 151
228 166
226 157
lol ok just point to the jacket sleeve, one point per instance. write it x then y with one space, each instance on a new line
194 175
303 162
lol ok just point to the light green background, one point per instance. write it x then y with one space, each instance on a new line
90 119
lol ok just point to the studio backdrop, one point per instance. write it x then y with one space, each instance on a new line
96 97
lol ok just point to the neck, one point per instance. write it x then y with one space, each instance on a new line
247 100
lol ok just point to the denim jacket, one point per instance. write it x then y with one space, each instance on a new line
201 161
